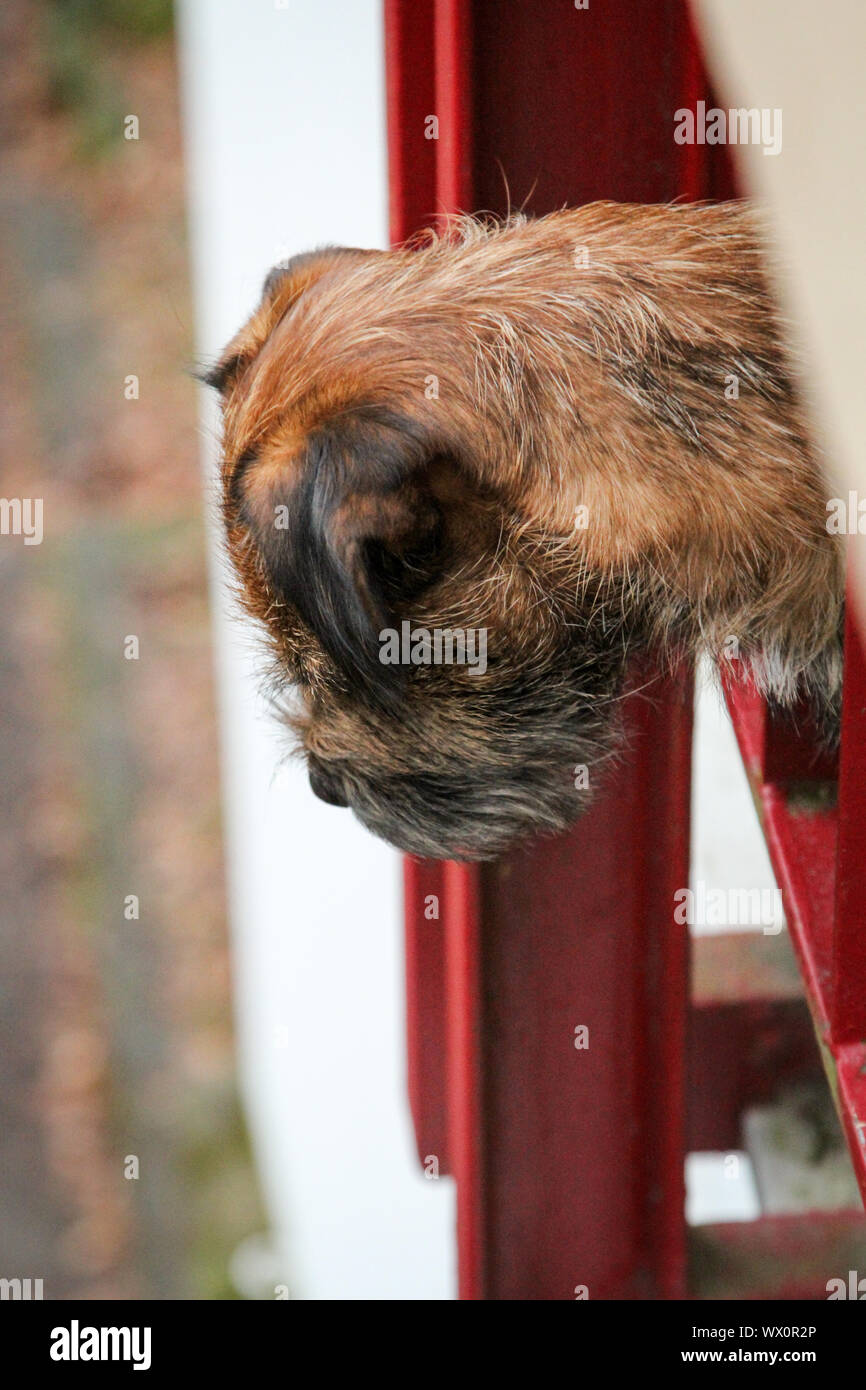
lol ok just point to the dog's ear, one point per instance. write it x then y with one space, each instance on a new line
348 534
284 286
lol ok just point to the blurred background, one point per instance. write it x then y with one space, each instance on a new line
115 1005
202 1053
126 1170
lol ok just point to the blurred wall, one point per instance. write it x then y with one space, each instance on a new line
286 150
807 61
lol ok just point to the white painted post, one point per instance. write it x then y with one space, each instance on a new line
285 126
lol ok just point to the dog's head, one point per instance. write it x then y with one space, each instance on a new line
379 436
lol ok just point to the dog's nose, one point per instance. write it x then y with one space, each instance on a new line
326 784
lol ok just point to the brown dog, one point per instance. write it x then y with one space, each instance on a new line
562 441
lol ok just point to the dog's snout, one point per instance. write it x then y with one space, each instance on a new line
326 784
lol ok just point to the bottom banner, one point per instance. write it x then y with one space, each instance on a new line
65 1339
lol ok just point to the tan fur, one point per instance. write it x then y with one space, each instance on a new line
581 362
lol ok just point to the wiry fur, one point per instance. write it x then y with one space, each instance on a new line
581 361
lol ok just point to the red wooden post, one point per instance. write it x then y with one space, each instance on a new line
425 899
410 87
453 47
465 1069
848 1004
583 1144
568 1159
410 94
817 850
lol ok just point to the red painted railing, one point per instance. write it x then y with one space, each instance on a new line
816 836
569 1161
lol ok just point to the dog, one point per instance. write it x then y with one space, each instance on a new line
579 435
